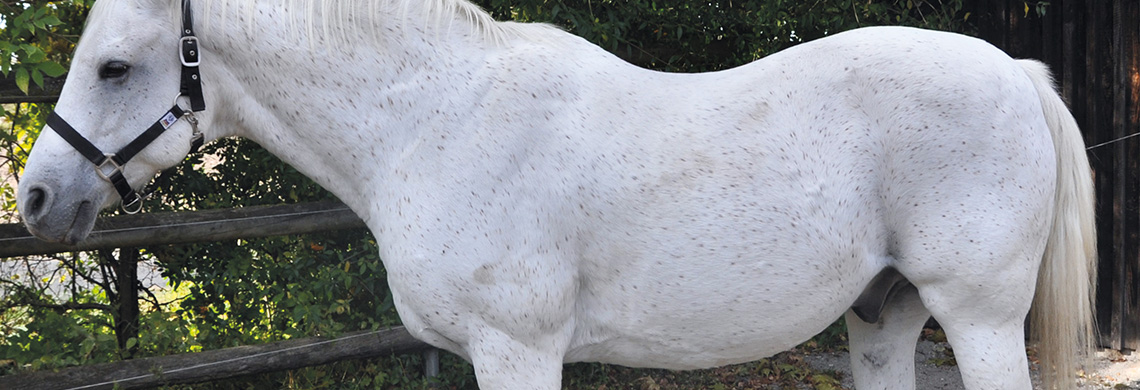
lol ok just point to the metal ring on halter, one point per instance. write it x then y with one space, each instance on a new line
134 206
179 96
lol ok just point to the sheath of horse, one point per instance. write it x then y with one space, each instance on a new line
539 201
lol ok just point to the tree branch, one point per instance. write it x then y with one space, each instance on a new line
109 268
73 264
153 299
67 306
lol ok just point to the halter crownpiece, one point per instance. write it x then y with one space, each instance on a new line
109 166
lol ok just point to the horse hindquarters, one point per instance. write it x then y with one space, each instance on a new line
990 349
968 191
975 253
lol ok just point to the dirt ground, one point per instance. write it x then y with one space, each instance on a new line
1111 369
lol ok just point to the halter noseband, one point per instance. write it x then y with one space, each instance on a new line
109 165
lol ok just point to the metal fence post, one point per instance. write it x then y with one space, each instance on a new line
431 363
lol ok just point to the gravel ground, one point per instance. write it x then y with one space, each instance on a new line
1111 370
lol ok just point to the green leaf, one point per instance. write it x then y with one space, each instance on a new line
50 20
32 54
22 78
38 78
52 69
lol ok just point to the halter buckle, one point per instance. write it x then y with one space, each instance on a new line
189 53
108 167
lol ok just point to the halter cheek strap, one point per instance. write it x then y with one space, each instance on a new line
109 166
189 54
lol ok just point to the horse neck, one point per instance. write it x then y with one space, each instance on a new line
343 115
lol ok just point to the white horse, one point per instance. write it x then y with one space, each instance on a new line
539 201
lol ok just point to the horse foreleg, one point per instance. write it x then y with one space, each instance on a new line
882 353
503 362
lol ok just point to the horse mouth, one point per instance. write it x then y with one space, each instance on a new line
80 226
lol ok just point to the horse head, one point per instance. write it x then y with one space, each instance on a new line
125 113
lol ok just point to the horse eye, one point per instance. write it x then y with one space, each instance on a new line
114 70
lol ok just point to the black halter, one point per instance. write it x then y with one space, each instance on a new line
109 165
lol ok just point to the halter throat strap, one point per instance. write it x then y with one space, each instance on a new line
109 166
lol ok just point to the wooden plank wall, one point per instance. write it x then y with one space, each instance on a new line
1093 47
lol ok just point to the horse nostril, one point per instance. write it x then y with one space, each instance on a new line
37 199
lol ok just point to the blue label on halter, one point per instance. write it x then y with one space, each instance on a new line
168 120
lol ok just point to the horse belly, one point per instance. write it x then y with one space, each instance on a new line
686 318
707 281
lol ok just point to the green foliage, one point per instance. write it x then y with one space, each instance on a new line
688 36
244 175
53 339
262 289
23 126
35 40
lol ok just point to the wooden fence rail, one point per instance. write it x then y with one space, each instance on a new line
209 366
189 227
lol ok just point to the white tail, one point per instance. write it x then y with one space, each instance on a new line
1062 315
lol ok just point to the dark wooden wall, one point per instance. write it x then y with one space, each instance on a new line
1093 48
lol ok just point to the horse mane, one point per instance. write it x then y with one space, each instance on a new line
438 12
342 21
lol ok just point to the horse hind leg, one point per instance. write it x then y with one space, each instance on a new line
986 329
883 327
979 286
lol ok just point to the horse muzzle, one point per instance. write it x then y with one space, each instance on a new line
55 216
